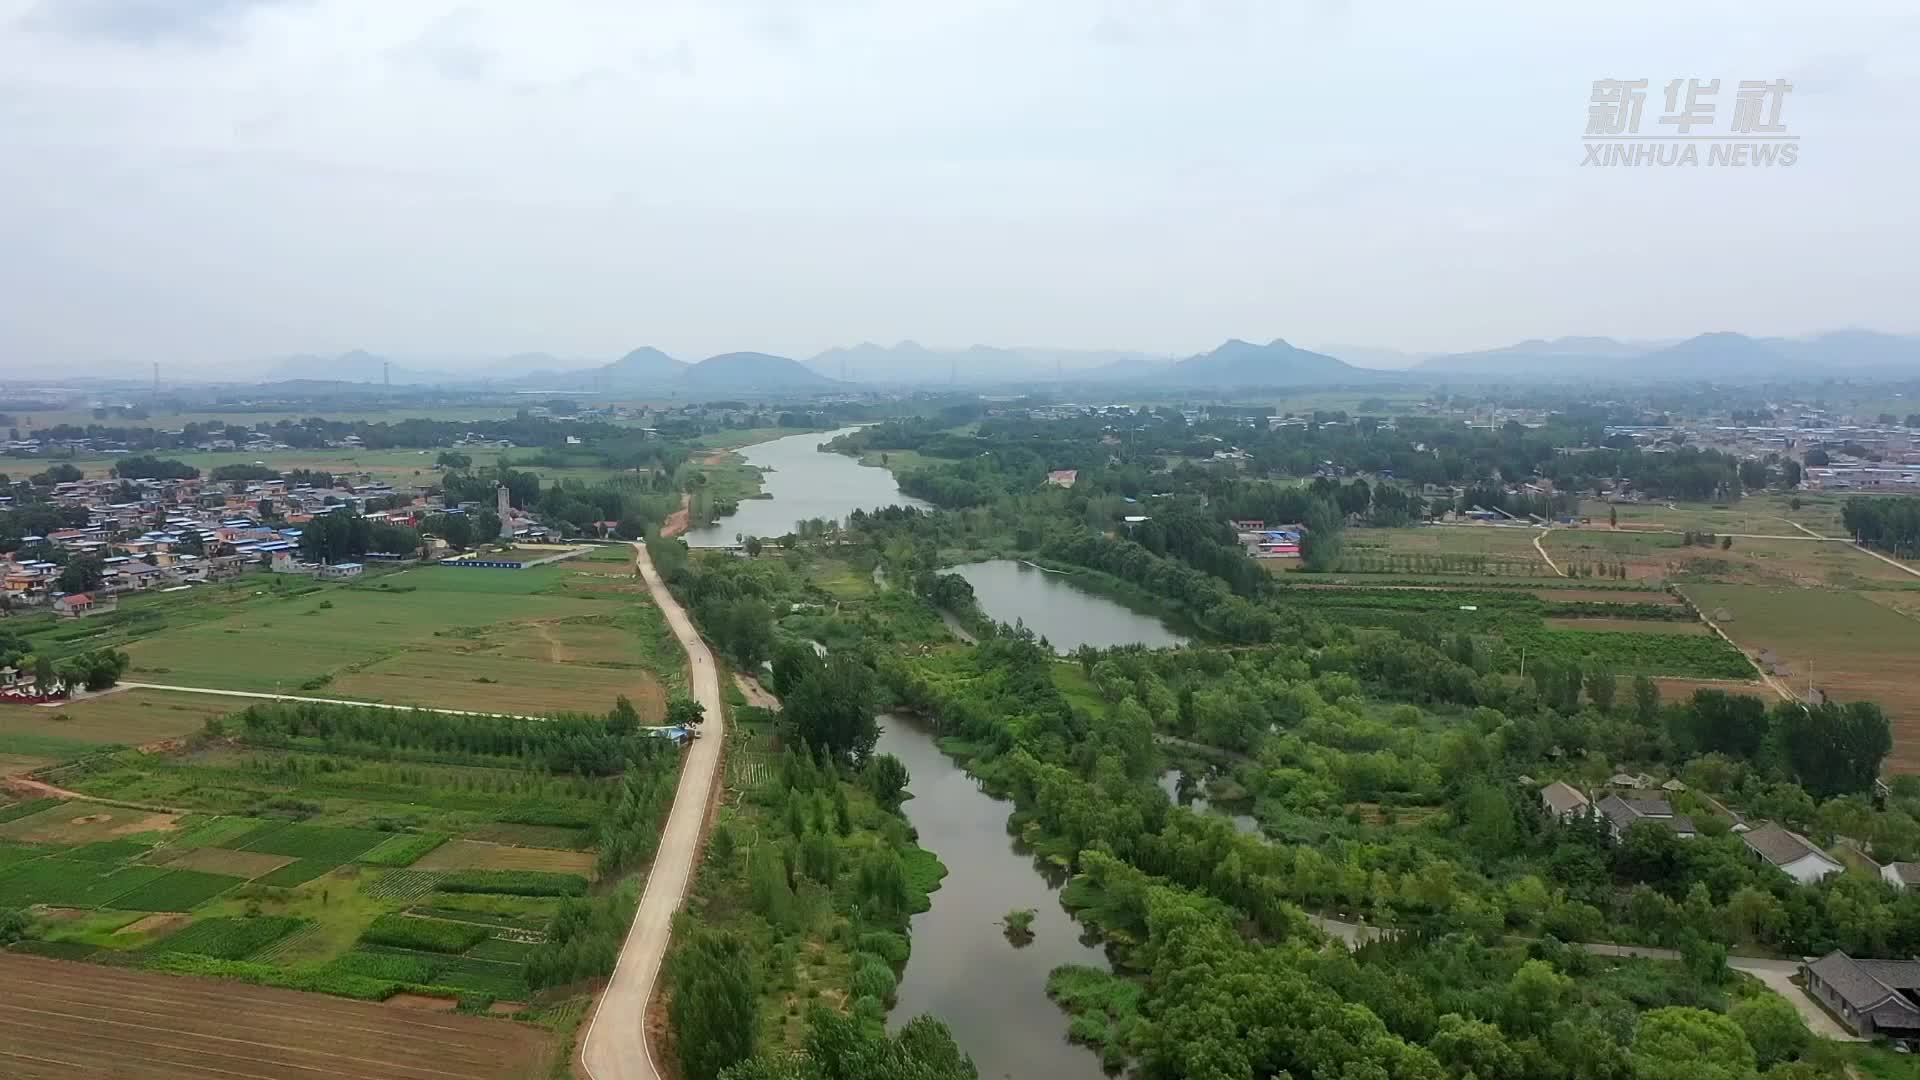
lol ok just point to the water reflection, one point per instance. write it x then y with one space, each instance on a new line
1050 605
805 483
1184 789
964 970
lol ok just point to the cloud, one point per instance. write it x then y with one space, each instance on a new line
142 22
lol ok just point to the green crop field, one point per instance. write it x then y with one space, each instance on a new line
277 873
230 938
178 890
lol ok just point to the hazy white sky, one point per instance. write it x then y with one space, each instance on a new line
216 181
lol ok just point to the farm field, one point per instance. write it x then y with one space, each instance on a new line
77 1021
123 718
1905 601
1504 551
357 865
480 855
1758 514
532 640
1606 596
1630 626
1631 632
1785 561
1853 648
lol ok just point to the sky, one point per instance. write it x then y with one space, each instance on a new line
212 183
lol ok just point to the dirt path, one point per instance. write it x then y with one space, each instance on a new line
41 789
257 696
1543 554
756 695
617 1049
676 522
556 652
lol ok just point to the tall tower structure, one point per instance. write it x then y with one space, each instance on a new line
505 510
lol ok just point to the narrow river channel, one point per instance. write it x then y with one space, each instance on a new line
963 970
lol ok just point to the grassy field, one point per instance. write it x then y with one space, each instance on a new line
1503 551
1786 560
739 437
899 461
1769 514
1852 647
551 637
124 718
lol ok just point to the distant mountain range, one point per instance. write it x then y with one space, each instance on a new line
1717 355
911 362
1233 364
1242 363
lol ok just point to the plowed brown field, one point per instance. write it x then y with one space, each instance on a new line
72 1021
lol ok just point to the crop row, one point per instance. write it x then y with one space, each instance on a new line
514 883
230 938
1700 656
429 935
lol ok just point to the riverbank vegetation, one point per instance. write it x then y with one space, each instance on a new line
803 899
1388 742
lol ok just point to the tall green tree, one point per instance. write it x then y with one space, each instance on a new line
710 1004
1832 749
83 574
841 1047
831 709
1325 537
1681 1043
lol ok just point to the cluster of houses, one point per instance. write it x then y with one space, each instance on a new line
1632 798
178 533
1264 541
1873 998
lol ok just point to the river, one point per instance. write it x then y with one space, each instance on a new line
805 483
1053 607
964 971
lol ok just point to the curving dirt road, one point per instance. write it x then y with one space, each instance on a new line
615 1045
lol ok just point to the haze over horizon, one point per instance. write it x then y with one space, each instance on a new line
218 184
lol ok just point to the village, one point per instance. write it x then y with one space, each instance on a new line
177 533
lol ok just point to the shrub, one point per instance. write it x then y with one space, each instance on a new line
893 948
873 978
